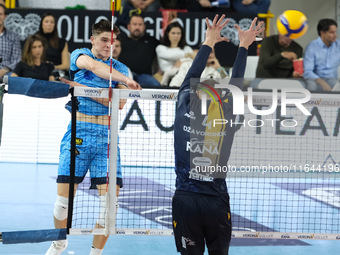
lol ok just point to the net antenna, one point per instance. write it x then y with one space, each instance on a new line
109 136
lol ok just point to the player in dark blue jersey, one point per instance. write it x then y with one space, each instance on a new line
200 208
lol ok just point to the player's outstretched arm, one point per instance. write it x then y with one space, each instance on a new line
102 70
247 37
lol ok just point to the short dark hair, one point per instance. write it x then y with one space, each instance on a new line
104 26
4 7
136 15
165 39
324 25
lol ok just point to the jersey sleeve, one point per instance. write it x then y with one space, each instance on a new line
195 71
75 55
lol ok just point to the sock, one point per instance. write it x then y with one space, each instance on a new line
95 251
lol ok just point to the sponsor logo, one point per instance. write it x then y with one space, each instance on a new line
79 141
306 236
266 236
93 92
190 115
201 161
187 242
193 174
320 237
252 235
202 148
157 233
86 232
286 236
137 232
203 133
120 232
337 237
164 96
134 94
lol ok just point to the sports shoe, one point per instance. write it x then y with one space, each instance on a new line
57 247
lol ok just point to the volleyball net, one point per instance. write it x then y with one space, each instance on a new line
283 172
282 176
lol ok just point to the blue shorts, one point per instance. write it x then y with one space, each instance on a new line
91 154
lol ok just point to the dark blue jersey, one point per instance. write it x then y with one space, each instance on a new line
197 141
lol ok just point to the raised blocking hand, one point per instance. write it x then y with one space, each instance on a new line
247 37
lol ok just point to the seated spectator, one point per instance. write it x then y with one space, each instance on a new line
10 49
250 7
138 52
213 69
206 5
322 58
117 49
132 7
33 63
144 5
172 49
174 4
57 48
276 57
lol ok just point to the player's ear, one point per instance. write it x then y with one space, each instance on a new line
92 39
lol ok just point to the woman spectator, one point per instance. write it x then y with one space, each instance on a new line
172 49
57 50
33 63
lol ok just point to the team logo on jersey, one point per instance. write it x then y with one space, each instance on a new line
79 141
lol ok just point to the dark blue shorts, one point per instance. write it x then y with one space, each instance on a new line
200 219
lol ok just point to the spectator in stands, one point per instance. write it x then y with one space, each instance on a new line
145 5
10 49
213 69
33 63
322 58
206 5
172 49
174 4
130 7
276 57
250 7
57 48
117 49
138 52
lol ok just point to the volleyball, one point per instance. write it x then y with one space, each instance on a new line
292 23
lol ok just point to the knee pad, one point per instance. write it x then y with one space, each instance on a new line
60 208
102 210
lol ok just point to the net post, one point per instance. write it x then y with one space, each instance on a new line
112 194
72 160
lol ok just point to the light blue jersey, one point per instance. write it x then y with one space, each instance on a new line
87 105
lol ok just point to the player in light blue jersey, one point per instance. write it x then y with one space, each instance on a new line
90 68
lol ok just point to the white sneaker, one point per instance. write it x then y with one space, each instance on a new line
57 247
